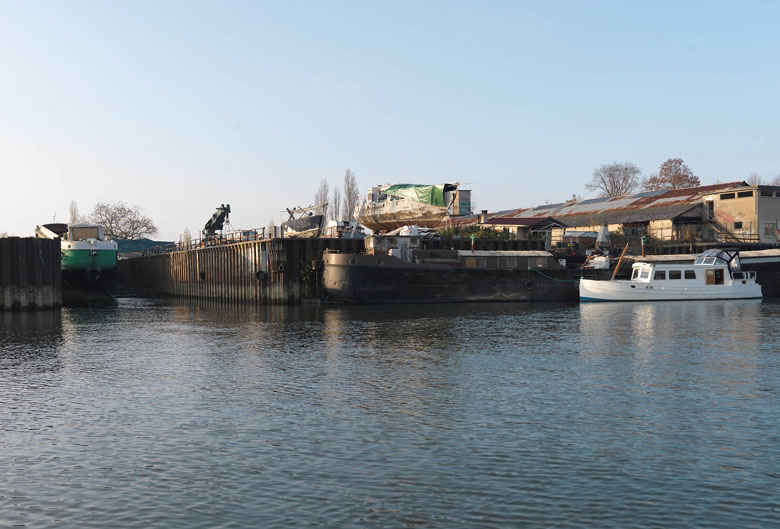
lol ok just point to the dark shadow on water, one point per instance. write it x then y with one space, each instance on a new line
30 337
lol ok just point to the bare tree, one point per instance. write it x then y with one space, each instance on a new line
673 174
615 179
121 221
335 208
321 198
754 180
776 180
74 212
351 195
185 236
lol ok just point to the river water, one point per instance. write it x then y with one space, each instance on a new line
163 414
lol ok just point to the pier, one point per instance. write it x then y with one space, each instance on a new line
30 275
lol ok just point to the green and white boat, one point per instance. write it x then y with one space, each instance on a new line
84 248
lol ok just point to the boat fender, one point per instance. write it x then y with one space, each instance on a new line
280 267
260 275
529 285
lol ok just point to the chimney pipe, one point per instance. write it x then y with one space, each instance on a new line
483 217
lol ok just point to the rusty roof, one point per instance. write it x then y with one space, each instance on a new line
639 207
522 221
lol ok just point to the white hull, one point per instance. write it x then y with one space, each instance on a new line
596 290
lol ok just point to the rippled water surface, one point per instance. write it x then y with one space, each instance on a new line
154 414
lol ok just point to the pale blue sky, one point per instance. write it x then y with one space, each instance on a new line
180 106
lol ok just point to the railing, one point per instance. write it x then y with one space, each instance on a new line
232 237
745 234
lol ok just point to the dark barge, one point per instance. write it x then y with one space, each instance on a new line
443 276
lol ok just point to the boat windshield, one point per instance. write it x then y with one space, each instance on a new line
82 233
718 256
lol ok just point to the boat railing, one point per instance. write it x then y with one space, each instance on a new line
743 275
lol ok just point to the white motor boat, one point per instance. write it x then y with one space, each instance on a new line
716 274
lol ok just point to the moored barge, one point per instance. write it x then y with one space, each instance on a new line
443 276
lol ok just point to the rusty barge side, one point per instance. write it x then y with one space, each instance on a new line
268 271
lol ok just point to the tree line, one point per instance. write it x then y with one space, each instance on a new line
623 178
342 204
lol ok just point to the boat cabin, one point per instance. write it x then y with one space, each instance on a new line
84 232
713 267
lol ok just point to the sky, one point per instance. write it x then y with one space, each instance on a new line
178 107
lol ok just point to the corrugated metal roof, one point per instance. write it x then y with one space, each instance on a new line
640 207
522 221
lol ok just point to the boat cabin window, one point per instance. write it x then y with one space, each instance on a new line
690 274
82 233
660 274
537 262
675 274
507 262
635 273
709 260
475 262
715 276
645 273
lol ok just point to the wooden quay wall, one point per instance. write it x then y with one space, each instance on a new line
30 276
269 271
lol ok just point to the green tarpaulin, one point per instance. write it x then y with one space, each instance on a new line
433 195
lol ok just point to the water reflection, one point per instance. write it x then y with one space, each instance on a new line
30 337
509 415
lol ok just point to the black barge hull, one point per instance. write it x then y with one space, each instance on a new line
359 279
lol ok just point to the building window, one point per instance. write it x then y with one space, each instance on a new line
507 262
744 194
769 229
738 225
659 274
726 196
690 274
475 262
675 274
766 193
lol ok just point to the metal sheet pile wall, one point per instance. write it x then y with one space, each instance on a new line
271 271
30 276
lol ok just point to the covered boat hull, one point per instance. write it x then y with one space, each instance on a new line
391 214
304 227
353 278
595 290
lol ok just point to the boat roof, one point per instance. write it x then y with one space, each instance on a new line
504 253
686 257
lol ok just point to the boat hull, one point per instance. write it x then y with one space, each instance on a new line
596 290
358 279
75 260
304 227
391 214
